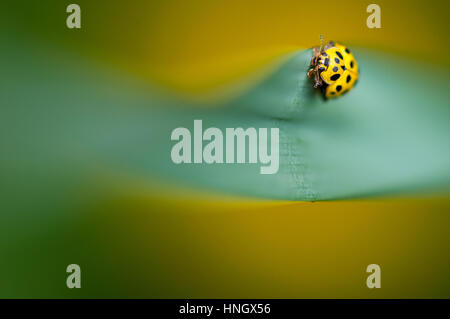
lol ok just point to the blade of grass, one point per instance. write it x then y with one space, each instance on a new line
69 119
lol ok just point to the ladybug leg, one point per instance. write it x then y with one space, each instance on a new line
317 79
316 52
313 62
317 82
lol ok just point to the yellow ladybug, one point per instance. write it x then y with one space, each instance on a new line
334 68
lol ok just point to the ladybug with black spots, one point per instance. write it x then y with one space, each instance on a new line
334 69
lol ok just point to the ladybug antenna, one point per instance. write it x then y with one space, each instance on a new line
321 43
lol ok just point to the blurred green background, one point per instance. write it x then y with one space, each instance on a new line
86 175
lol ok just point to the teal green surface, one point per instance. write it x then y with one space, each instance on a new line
389 134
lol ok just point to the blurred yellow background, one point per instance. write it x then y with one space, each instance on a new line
140 243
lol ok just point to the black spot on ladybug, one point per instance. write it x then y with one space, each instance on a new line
347 50
334 77
324 54
335 69
339 55
352 64
326 62
338 88
349 78
321 69
337 60
343 67
332 93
